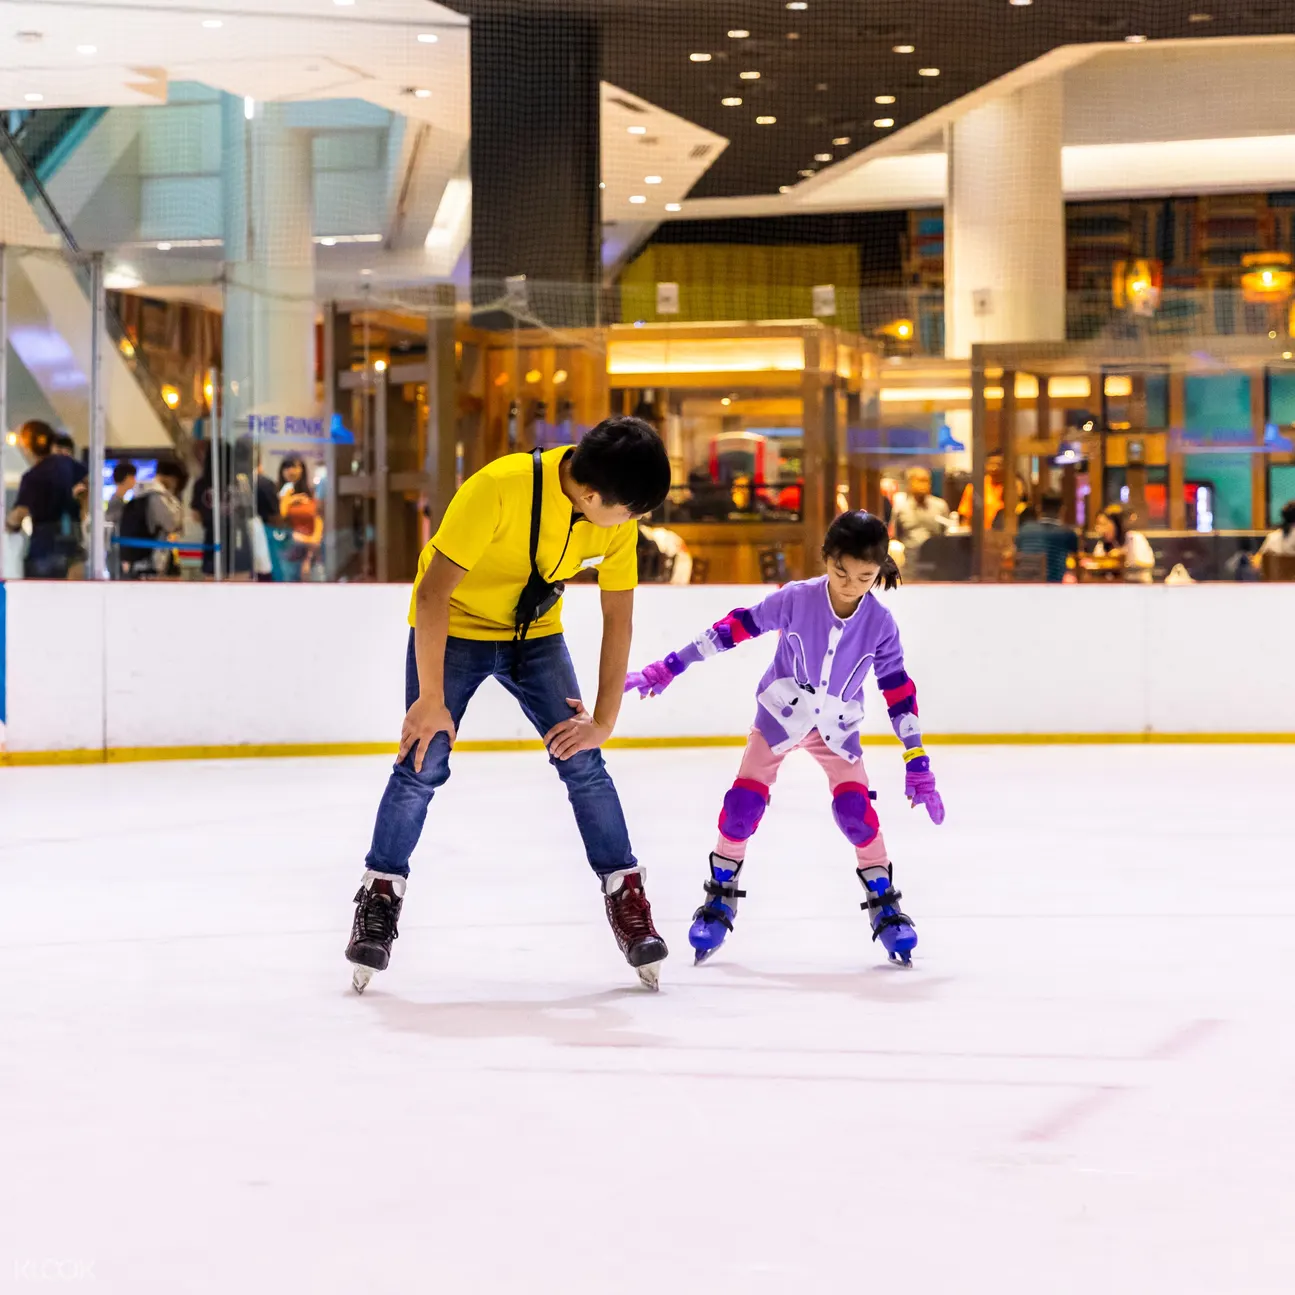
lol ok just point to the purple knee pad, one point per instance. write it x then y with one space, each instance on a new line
855 816
744 806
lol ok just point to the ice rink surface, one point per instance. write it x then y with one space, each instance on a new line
1086 1084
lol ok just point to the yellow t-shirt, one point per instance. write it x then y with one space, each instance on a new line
487 531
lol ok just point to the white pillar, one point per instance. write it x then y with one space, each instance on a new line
1004 223
269 323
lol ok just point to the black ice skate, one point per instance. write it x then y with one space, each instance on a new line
377 910
630 916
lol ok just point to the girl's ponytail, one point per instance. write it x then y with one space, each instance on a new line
888 577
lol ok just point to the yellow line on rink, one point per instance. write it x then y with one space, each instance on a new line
281 750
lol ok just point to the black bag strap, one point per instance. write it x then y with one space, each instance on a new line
537 502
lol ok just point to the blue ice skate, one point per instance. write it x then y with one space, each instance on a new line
714 919
890 924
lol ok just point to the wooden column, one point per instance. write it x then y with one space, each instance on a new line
1135 475
1007 445
816 506
442 404
1176 459
1259 459
977 461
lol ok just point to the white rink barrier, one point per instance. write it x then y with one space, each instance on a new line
139 671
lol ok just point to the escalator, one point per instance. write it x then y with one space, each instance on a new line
49 311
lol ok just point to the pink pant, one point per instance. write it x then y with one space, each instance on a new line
760 767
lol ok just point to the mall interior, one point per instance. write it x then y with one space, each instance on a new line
968 266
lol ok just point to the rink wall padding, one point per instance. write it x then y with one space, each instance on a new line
108 672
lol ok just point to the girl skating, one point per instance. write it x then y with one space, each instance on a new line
833 632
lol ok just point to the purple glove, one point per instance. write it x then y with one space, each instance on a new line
651 681
919 787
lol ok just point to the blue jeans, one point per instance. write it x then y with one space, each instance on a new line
547 679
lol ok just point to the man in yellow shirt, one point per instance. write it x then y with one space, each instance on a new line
483 609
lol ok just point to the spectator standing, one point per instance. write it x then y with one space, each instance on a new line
301 511
1050 536
124 475
49 496
1282 540
918 515
154 513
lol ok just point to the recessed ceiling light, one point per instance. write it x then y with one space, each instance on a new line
1200 17
903 49
637 130
784 188
651 179
637 198
732 101
87 49
884 98
749 76
1021 3
427 38
884 123
699 58
328 242
164 247
928 71
212 23
366 271
422 94
602 184
807 172
738 33
726 400
797 4
34 98
822 157
841 141
793 35
674 206
765 121
1135 39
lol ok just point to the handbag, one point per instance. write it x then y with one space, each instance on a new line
261 563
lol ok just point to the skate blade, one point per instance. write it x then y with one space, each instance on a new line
650 975
360 977
701 956
904 960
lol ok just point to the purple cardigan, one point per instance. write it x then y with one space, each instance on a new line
816 678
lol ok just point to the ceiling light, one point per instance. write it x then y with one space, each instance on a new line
884 98
559 376
637 130
797 4
533 375
807 172
738 33
841 141
212 23
884 123
34 98
822 157
602 184
793 35
765 121
328 242
87 49
427 38
784 188
1021 3
749 76
674 206
1200 17
651 179
726 400
164 247
733 101
1134 40
903 49
638 198
422 94
1286 355
928 71
699 58
171 396
366 272
379 366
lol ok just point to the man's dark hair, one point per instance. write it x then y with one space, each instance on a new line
123 472
65 442
40 436
863 537
624 460
1051 504
175 470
